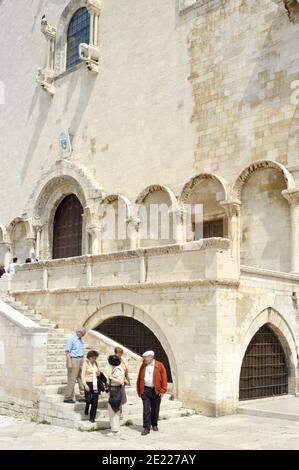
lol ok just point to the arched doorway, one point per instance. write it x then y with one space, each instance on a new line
135 336
264 371
67 229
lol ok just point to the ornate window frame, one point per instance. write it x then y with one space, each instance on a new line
57 44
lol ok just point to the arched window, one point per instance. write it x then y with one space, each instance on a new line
78 32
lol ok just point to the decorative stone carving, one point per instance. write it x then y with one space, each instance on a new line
45 75
90 53
292 7
187 190
244 176
45 78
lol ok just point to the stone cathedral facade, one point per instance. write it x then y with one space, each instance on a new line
133 103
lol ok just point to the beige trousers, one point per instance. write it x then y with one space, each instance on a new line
114 419
73 375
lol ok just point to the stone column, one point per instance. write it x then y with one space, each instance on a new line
133 232
177 217
292 196
95 231
90 53
94 8
232 209
38 241
7 255
45 75
32 245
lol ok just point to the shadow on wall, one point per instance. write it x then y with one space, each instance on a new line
80 86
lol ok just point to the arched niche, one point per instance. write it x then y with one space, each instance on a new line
265 217
157 209
206 191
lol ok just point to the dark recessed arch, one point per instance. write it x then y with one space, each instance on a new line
264 371
135 336
67 228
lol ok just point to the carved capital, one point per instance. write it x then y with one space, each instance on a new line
231 207
292 7
134 222
94 6
292 196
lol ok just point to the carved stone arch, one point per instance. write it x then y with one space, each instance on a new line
64 179
115 213
119 197
245 175
62 29
20 220
283 331
22 245
157 187
123 309
187 189
63 172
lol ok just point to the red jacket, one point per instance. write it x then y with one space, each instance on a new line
160 379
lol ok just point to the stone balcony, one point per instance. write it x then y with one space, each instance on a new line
202 261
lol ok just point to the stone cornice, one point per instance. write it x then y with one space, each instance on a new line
225 283
218 244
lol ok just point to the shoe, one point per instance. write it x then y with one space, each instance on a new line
145 432
113 433
69 401
91 420
155 428
81 400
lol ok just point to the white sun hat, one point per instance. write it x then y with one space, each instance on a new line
148 353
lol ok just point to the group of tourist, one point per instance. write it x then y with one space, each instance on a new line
151 383
11 268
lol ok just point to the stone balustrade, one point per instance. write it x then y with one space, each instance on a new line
204 260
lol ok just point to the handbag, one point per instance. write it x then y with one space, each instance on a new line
102 383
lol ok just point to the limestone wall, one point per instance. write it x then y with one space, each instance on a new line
204 328
23 354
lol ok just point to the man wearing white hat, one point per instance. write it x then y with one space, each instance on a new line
151 386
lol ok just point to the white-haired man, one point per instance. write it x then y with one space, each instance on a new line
151 386
74 351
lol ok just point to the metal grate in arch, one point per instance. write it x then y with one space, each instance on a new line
264 371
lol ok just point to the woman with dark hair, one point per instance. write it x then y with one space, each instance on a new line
90 374
2 270
117 396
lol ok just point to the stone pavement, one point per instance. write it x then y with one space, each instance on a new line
281 407
194 432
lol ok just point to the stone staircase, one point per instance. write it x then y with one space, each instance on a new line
52 410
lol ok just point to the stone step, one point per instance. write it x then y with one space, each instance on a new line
101 424
55 381
63 411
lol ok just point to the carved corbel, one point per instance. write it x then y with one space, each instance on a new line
90 53
292 7
45 75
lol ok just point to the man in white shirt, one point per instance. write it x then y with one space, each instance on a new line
11 269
